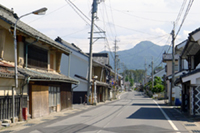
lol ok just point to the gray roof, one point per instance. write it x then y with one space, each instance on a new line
10 17
179 48
102 58
10 74
102 84
8 71
45 76
168 57
71 46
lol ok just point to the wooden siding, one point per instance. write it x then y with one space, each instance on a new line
66 96
39 101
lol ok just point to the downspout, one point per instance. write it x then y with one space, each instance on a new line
69 64
27 50
101 74
22 92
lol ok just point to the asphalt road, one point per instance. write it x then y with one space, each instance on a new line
133 113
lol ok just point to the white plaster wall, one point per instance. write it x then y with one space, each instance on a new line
78 66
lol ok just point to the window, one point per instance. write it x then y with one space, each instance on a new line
54 96
37 56
176 68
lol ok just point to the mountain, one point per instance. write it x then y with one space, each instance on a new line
134 58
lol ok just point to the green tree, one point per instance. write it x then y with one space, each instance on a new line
126 79
131 82
158 85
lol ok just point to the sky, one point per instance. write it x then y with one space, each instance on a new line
126 21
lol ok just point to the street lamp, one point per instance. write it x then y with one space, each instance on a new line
36 12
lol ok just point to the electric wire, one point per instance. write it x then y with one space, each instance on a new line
180 12
48 14
76 8
184 17
128 54
138 16
157 59
74 32
112 17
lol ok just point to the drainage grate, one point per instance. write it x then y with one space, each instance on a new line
190 125
196 131
30 124
8 131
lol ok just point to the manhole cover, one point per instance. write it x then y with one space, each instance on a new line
30 124
190 125
196 131
9 131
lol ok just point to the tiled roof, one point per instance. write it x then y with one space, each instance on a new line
103 58
48 76
8 71
169 57
102 84
70 46
8 16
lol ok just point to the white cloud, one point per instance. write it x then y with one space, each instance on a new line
135 20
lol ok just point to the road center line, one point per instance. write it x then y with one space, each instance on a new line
166 116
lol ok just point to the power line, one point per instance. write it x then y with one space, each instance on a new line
112 17
139 16
163 49
185 15
79 11
128 54
48 14
180 12
74 32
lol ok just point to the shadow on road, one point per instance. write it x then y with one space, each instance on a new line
147 104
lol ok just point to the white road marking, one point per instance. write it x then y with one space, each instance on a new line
168 119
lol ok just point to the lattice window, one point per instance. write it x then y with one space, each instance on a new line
197 100
37 56
191 101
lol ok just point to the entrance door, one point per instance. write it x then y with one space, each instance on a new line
66 96
39 101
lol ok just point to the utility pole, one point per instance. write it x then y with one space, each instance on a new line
115 51
152 74
173 62
94 10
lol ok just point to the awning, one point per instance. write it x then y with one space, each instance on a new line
36 75
102 84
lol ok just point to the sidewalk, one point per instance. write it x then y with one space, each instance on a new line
77 108
190 123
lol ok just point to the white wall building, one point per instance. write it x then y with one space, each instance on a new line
78 64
